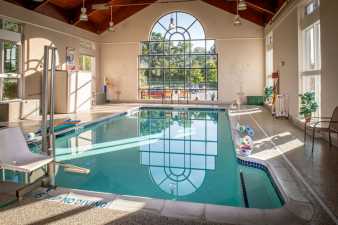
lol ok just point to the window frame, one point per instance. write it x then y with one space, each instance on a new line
311 7
269 60
208 88
92 58
12 58
18 59
311 72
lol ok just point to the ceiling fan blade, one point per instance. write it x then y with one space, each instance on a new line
103 6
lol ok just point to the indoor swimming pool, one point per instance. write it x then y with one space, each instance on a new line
164 153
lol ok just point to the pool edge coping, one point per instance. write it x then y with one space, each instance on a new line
292 209
302 209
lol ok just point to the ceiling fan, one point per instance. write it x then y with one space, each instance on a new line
243 5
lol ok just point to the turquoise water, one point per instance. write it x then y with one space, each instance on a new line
261 194
166 154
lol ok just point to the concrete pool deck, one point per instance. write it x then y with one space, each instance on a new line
189 212
272 147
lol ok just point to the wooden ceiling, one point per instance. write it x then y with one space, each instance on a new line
68 11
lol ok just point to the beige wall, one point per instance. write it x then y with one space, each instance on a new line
285 55
285 46
329 39
40 30
286 58
240 49
35 39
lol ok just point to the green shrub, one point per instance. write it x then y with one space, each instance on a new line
10 89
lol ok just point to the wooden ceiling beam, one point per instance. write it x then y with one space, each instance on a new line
278 4
22 3
35 5
263 6
266 4
122 13
75 18
259 11
88 25
54 11
249 14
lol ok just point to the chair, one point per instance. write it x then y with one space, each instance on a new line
320 124
167 94
16 156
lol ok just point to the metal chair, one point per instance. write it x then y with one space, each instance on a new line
332 127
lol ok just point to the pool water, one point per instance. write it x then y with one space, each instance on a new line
260 192
184 155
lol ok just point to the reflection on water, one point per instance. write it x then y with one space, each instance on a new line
185 147
166 154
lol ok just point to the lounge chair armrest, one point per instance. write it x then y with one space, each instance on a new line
315 119
323 117
321 121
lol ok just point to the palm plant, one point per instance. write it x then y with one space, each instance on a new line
308 105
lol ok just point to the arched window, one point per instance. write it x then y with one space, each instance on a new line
178 63
177 26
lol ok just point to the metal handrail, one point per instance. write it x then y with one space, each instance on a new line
47 106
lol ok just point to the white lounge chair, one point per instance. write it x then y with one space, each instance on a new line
16 156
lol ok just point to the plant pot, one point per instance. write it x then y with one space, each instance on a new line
307 118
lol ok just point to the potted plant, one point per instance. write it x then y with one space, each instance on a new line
268 94
308 105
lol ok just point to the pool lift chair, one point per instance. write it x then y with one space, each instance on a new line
14 152
16 156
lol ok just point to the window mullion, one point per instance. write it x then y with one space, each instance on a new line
174 73
2 56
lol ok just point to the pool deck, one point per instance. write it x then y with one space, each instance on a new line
308 183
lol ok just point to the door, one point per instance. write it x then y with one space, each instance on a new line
83 83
